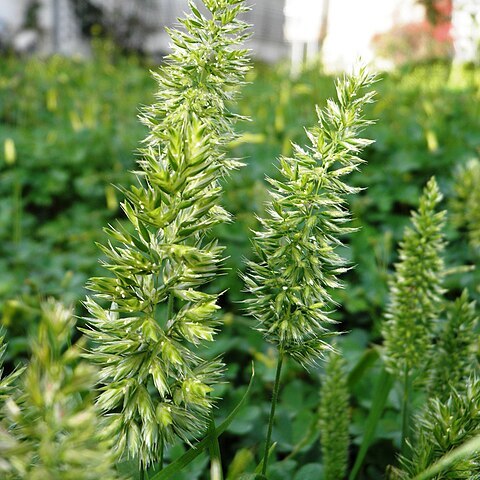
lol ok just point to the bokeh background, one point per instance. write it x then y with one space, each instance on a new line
74 75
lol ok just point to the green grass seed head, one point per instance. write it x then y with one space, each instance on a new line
334 417
49 427
465 203
297 263
443 425
149 316
416 287
456 350
6 381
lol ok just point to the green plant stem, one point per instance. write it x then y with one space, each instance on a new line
405 410
170 307
17 217
162 450
276 388
142 472
214 450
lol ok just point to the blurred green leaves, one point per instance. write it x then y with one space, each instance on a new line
73 127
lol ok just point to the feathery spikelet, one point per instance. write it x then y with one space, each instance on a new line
297 262
7 385
416 287
6 382
334 418
466 201
155 386
455 358
443 426
50 429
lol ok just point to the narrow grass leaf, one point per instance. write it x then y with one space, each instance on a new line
366 362
382 389
258 470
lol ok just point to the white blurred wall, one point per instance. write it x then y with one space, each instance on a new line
466 30
12 14
58 27
351 25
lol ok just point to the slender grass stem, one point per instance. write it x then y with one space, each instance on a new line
17 216
215 454
271 419
405 409
161 452
170 307
142 471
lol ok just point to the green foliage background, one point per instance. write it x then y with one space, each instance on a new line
75 131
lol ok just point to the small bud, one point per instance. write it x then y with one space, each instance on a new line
12 408
170 353
10 151
133 438
164 414
159 378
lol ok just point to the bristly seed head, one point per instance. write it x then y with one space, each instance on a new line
297 262
416 288
155 386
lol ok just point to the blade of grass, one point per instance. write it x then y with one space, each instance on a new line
382 389
190 455
367 360
259 468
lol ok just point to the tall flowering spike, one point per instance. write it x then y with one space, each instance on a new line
148 318
334 418
49 427
297 262
466 201
456 351
416 293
